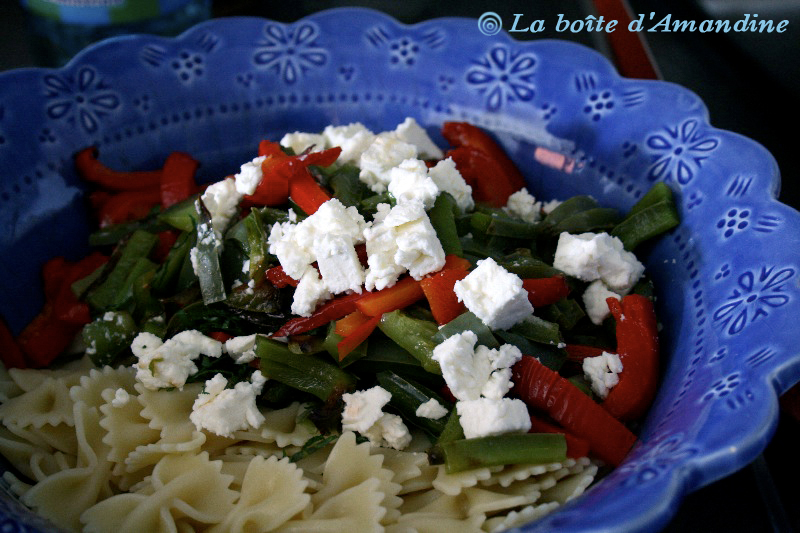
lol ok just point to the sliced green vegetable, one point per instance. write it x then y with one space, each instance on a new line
257 245
538 330
182 216
503 226
467 321
527 448
347 187
307 373
109 336
568 208
596 219
565 312
407 396
166 278
415 335
652 215
442 217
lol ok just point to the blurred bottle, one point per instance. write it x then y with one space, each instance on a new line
61 28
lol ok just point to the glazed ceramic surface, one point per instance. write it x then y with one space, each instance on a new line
727 277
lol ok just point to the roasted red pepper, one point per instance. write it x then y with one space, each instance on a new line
402 294
438 289
545 291
331 310
483 164
637 347
576 446
128 205
544 390
347 324
46 337
578 352
279 278
91 169
178 178
357 336
10 352
66 306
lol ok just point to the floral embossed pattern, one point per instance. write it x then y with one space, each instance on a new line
729 339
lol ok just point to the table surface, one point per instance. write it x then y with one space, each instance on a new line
751 85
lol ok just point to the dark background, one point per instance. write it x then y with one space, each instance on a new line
750 84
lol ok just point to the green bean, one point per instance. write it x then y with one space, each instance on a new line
442 217
407 396
415 335
535 448
105 295
467 321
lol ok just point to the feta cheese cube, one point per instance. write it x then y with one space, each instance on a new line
431 409
411 132
294 257
300 141
548 207
447 177
222 411
389 431
377 161
594 300
418 247
524 206
592 256
352 138
338 264
242 348
409 182
362 409
484 417
168 364
603 372
495 295
249 176
382 270
309 293
222 200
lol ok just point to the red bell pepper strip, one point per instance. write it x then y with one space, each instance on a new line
503 177
10 353
220 336
331 310
545 291
54 272
452 261
128 205
402 294
270 148
347 324
66 306
637 347
357 336
438 289
578 352
307 193
576 446
279 278
542 389
178 178
92 170
46 337
166 240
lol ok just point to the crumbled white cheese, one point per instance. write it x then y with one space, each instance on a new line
494 295
168 364
352 138
471 372
222 200
389 431
485 417
594 300
548 207
431 409
223 411
523 205
381 247
447 177
592 256
377 161
249 176
327 237
409 182
603 372
309 293
121 398
300 141
242 348
411 132
363 408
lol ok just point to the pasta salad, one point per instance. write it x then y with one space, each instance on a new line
357 331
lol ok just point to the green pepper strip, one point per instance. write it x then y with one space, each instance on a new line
306 373
167 274
596 219
443 219
407 396
467 321
535 448
652 215
107 339
182 216
206 259
538 330
347 187
124 260
415 335
502 226
568 208
257 241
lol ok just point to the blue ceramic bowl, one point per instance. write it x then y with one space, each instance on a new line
728 276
